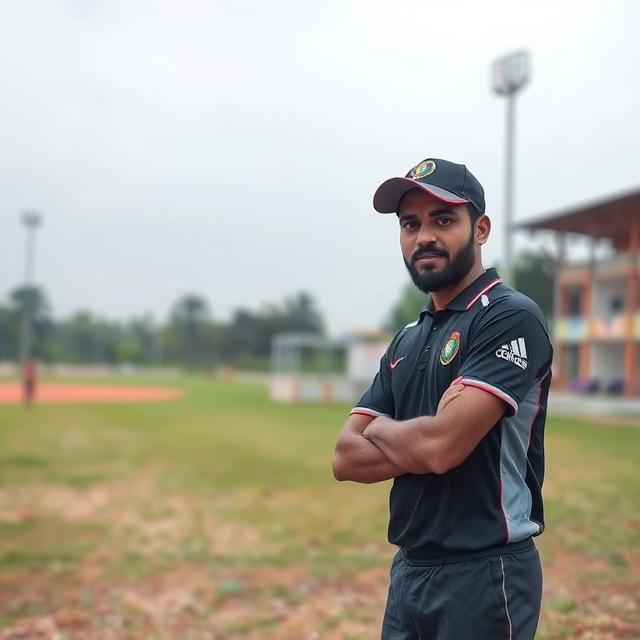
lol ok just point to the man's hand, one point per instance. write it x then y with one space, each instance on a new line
452 392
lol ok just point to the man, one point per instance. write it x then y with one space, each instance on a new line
456 417
29 382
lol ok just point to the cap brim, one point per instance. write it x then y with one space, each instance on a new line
387 197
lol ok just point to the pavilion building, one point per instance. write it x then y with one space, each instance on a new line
596 328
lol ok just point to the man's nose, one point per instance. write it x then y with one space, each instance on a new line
426 236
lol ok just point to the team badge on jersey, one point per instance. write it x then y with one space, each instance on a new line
450 349
424 169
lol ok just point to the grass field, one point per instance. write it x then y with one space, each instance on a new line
217 517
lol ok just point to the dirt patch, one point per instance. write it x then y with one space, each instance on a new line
585 597
287 604
52 393
136 523
215 594
201 602
18 504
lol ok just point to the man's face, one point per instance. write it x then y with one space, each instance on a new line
437 241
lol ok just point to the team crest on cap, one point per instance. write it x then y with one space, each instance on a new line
450 349
424 169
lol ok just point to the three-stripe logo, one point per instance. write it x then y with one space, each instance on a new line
515 352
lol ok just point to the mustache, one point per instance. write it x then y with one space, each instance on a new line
428 252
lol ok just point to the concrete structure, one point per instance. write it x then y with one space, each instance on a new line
310 368
597 299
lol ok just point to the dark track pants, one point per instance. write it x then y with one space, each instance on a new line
485 596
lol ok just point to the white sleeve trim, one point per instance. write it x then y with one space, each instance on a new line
493 390
368 412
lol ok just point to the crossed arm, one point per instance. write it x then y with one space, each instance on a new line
359 459
376 449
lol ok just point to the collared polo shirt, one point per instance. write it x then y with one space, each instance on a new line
496 339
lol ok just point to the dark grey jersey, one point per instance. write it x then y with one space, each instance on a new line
496 339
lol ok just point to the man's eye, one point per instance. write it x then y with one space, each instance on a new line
444 221
409 224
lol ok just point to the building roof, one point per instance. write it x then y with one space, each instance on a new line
610 217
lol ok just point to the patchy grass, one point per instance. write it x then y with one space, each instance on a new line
217 514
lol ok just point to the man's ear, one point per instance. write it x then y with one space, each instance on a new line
483 229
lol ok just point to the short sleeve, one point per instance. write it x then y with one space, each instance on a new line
508 351
378 398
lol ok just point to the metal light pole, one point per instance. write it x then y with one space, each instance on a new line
31 220
509 74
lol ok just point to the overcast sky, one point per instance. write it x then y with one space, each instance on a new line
232 148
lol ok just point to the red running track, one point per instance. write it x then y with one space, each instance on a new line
60 393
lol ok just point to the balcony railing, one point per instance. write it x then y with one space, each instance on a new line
613 264
611 328
579 328
573 329
621 261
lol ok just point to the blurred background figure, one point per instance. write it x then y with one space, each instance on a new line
29 381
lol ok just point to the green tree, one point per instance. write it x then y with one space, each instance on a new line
407 309
33 300
86 338
248 337
78 339
249 334
189 337
9 333
300 314
138 343
533 275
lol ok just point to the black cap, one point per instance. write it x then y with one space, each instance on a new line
447 181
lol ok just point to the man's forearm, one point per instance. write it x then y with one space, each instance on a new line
405 443
361 460
440 443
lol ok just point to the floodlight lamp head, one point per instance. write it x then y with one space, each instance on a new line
31 218
510 73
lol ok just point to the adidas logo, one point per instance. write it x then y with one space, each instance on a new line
515 351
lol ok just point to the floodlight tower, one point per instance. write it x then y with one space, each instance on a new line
31 220
509 74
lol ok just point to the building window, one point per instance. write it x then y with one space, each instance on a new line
616 305
575 301
572 361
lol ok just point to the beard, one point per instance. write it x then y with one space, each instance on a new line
429 280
